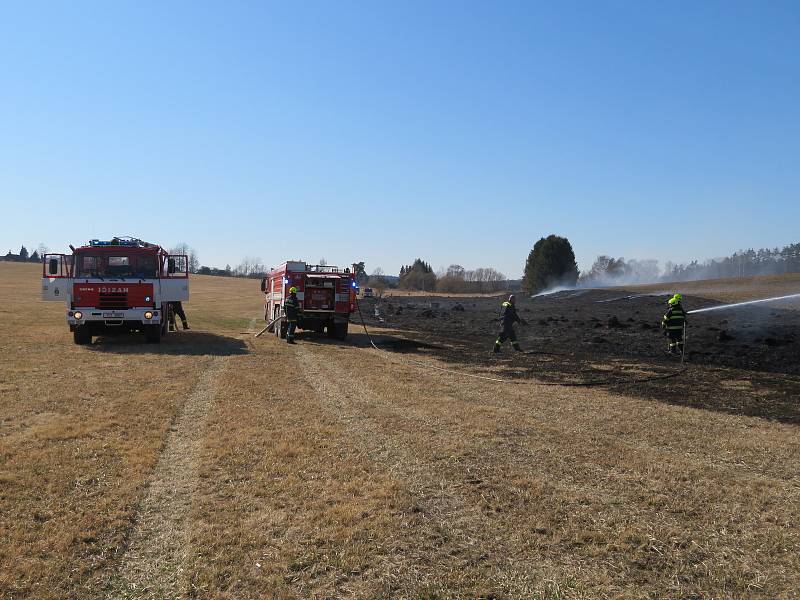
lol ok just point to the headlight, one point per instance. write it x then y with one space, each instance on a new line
148 314
78 314
147 298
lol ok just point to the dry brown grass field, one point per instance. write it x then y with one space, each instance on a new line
216 465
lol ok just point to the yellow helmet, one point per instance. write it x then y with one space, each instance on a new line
672 301
292 290
678 297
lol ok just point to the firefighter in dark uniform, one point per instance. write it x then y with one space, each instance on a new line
291 308
508 316
674 323
176 308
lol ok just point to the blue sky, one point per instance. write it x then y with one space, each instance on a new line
460 132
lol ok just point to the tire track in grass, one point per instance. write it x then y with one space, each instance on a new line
367 432
158 552
453 525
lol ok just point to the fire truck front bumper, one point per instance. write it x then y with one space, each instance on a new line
93 316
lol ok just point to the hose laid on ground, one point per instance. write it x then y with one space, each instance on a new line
270 324
675 373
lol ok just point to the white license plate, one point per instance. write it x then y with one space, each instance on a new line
113 315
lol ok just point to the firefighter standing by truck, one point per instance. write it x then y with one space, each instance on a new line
673 324
291 308
176 308
508 316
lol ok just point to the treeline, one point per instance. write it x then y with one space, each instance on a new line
420 276
226 272
744 263
550 264
482 280
608 270
251 268
24 256
36 256
417 276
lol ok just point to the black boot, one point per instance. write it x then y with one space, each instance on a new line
185 326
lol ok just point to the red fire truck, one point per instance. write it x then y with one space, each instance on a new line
123 284
327 297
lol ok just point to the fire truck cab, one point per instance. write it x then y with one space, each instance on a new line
326 294
120 285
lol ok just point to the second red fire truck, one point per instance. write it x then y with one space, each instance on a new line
327 297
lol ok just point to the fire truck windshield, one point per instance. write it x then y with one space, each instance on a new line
120 267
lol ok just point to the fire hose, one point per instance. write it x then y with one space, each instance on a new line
270 324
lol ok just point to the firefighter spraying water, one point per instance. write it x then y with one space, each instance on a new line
673 324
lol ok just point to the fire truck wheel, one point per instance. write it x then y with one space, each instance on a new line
82 335
152 334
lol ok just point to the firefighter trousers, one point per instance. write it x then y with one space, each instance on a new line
177 309
507 333
675 337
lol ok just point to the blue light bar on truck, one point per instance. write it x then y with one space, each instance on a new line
128 242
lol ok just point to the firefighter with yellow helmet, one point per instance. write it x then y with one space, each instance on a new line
673 324
292 310
508 316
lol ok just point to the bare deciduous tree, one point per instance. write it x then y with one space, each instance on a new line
377 281
191 254
251 266
481 280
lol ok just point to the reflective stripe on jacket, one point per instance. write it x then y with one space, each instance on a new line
674 319
292 308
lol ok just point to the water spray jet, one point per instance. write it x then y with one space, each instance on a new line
633 297
747 303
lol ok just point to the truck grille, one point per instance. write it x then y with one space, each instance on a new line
113 300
